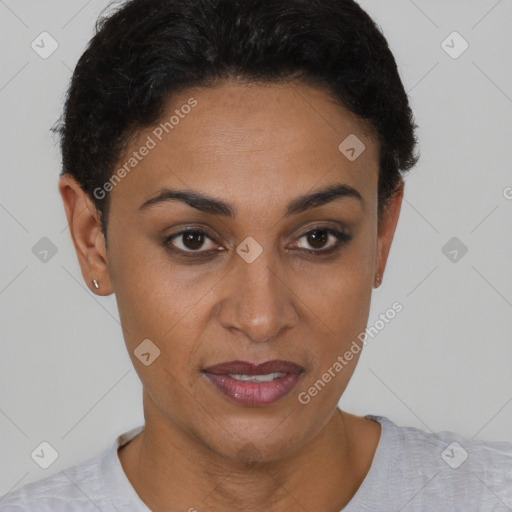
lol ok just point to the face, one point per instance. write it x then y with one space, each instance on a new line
256 264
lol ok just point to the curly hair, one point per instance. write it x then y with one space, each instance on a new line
146 51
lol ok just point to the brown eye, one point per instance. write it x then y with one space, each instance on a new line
318 238
191 240
322 241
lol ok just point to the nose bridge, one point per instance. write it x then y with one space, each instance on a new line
260 304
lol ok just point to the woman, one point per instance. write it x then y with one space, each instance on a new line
232 171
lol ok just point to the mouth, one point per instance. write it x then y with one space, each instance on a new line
254 385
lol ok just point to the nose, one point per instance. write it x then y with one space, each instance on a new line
257 301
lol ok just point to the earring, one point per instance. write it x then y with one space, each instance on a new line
379 280
95 283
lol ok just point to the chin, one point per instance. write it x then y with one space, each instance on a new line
257 444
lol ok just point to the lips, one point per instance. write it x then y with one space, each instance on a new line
233 379
243 367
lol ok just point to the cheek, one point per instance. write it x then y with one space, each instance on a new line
170 303
340 316
337 301
154 294
339 292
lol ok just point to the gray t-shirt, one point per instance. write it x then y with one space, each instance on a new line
412 470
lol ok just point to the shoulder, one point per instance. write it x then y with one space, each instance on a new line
444 464
455 451
77 488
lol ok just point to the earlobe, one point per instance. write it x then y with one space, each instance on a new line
88 240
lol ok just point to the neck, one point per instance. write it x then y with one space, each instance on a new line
170 469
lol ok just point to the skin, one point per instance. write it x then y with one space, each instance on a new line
256 147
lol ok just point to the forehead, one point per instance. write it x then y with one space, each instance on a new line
240 141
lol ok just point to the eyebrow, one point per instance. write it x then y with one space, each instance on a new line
217 207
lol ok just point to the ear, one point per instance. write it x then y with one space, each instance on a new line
89 242
386 231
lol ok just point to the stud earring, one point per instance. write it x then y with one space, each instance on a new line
379 280
95 283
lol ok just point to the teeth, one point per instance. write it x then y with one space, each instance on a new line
257 378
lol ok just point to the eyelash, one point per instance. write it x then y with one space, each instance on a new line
342 239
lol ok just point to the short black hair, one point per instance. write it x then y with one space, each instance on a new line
145 51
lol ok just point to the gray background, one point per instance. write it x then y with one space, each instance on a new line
442 364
